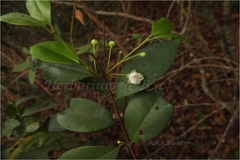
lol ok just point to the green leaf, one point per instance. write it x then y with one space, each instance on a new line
172 35
24 99
138 37
54 126
54 51
91 152
157 61
40 10
31 76
162 26
40 106
85 116
83 49
12 110
31 124
9 126
26 51
21 19
62 73
39 142
153 114
97 84
21 66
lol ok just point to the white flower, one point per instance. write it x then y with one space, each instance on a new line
135 77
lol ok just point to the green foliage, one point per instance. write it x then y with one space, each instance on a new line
93 117
146 114
55 52
151 110
38 145
158 59
87 153
21 19
61 73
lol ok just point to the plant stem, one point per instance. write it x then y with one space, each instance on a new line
111 97
109 57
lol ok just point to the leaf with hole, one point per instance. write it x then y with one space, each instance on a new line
40 10
152 115
85 116
86 152
21 19
159 57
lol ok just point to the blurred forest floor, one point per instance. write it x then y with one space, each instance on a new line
203 82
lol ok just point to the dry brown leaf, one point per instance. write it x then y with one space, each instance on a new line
79 16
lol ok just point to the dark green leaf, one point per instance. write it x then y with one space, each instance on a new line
172 35
61 73
31 124
12 109
21 66
157 61
24 99
97 84
40 10
40 106
85 116
54 51
54 126
162 26
152 115
91 152
41 153
21 19
9 126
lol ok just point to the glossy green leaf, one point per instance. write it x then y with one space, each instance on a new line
54 126
85 116
54 51
152 115
21 66
157 61
31 124
9 126
162 26
172 35
39 106
40 142
21 19
91 152
40 10
62 73
31 76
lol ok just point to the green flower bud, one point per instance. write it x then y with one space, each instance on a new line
94 42
142 54
111 44
120 52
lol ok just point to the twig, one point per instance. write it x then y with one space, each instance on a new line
222 140
170 8
202 104
108 13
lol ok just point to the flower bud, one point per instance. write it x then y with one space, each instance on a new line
111 44
135 77
120 52
142 54
94 42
